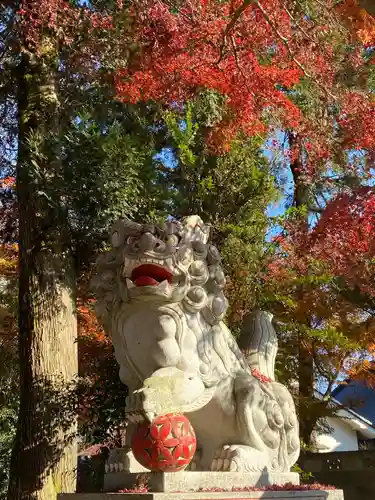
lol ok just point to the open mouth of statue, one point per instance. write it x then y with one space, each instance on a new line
150 275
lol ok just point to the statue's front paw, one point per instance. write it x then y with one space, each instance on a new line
239 458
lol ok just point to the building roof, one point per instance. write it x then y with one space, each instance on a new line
353 419
358 396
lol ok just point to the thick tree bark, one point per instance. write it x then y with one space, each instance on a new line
44 456
368 5
305 358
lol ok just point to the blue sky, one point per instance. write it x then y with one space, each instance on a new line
278 208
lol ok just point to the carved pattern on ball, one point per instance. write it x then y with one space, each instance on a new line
167 444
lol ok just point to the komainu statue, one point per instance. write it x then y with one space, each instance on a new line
160 297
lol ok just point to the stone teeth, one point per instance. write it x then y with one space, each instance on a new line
169 264
153 261
164 285
129 283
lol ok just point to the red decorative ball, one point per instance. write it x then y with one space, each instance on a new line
167 444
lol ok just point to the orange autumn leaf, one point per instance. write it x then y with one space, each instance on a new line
7 182
359 17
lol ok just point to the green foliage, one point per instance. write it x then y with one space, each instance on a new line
305 476
102 400
8 423
9 382
102 173
183 134
109 171
210 108
230 191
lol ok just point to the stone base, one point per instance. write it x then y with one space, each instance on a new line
164 482
223 495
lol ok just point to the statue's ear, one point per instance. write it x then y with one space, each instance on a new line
195 229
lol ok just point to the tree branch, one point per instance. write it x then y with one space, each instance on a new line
316 210
165 170
285 41
292 18
236 15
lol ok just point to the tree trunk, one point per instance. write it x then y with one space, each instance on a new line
44 456
305 359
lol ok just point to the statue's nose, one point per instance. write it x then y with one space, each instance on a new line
149 242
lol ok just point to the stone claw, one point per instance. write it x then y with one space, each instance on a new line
237 458
224 459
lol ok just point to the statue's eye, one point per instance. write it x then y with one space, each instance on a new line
172 239
133 242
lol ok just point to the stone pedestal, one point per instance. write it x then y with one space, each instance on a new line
220 495
164 482
189 486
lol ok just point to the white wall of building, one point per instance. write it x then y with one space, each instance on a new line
343 437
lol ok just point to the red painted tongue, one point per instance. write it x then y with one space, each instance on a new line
149 275
145 281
